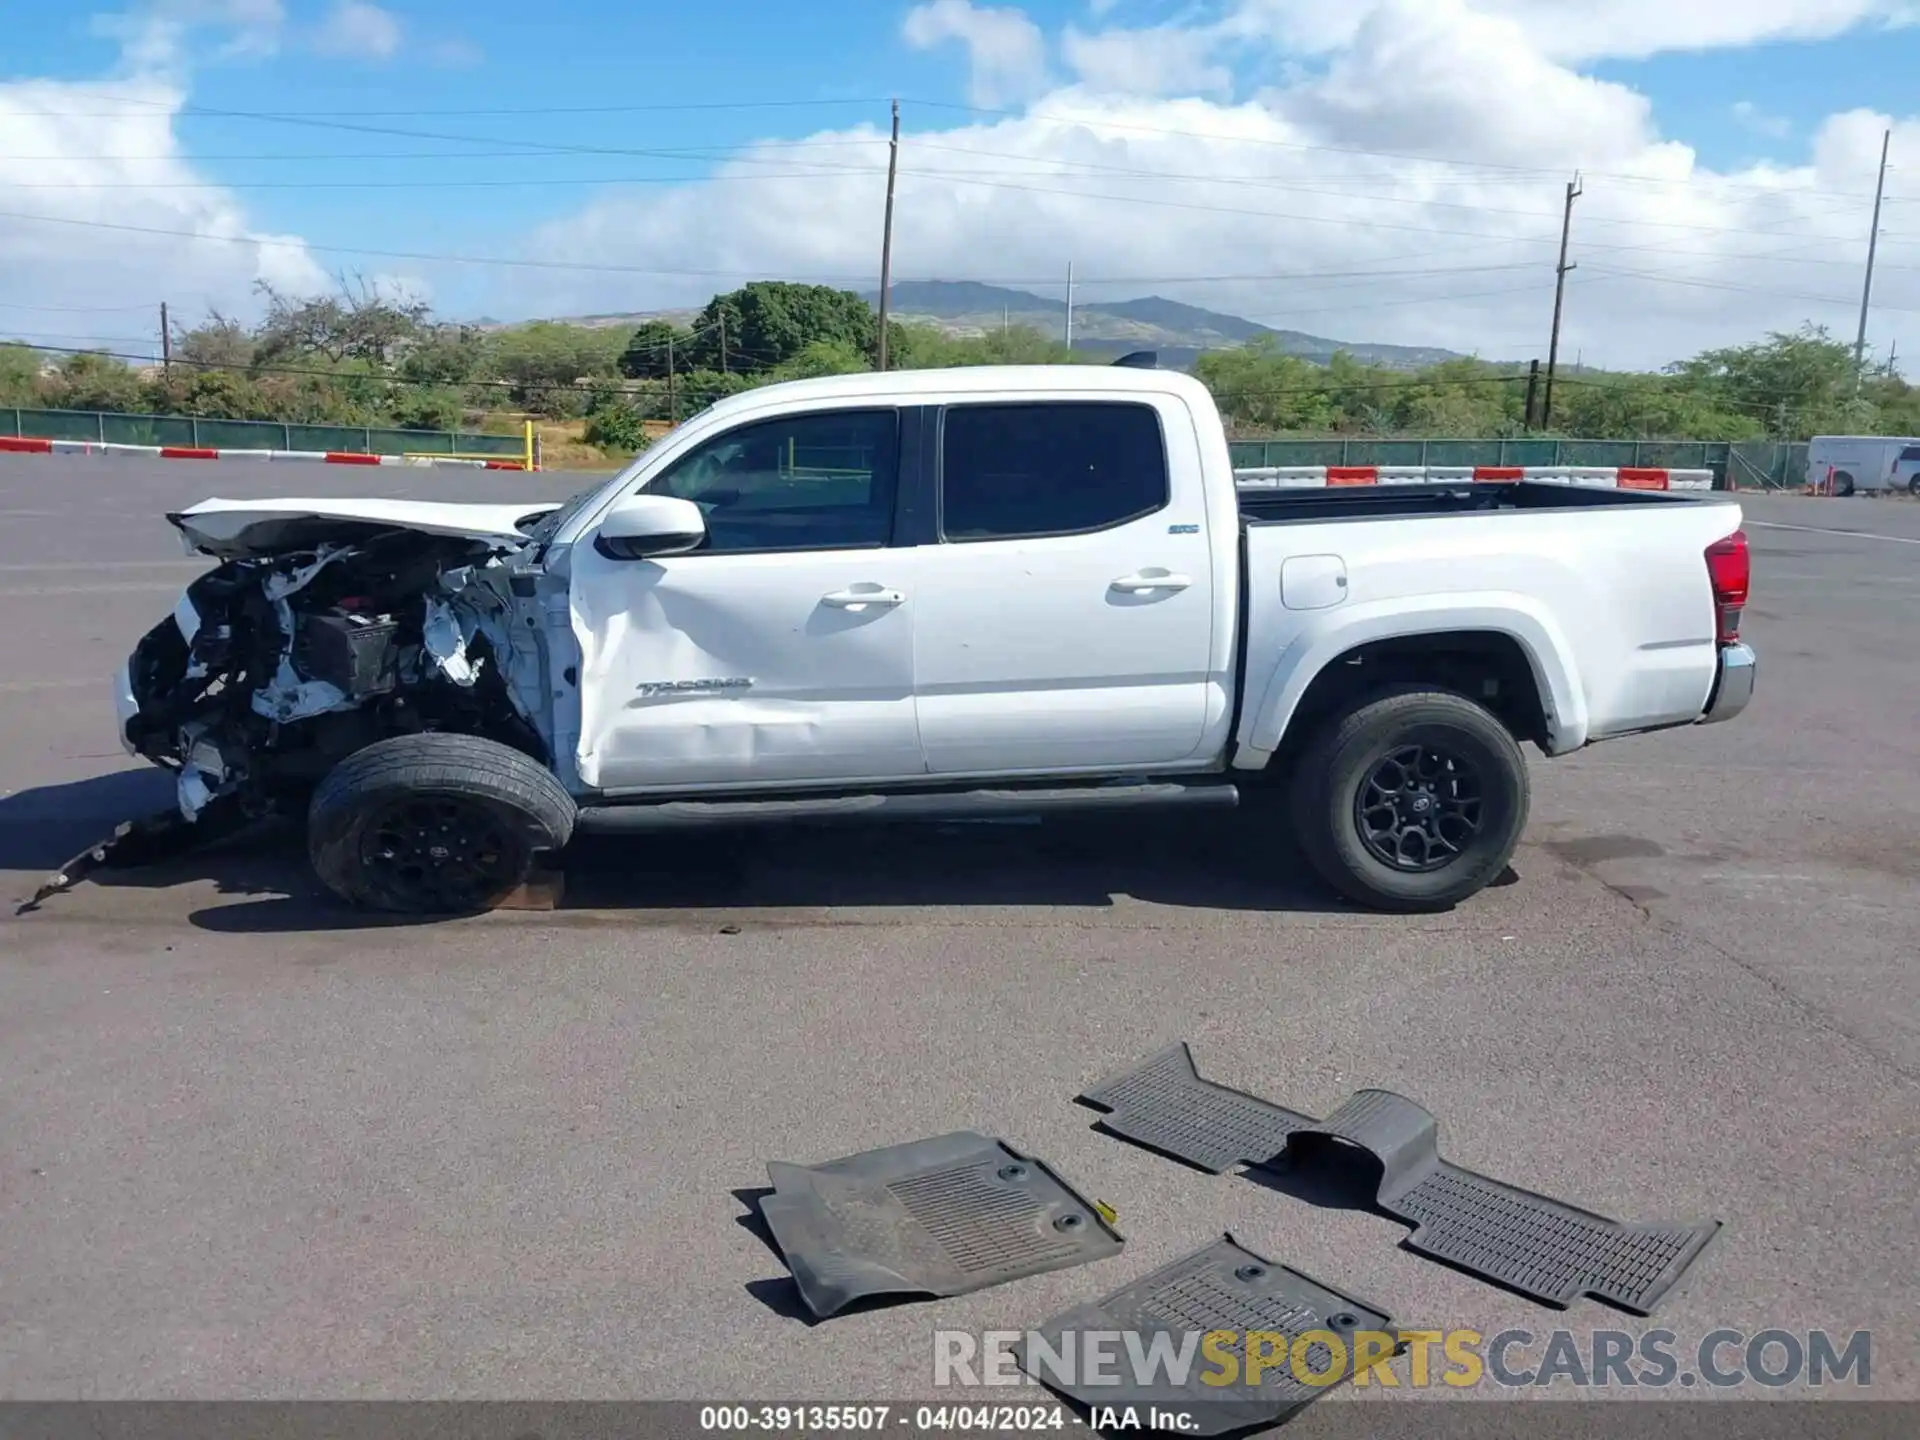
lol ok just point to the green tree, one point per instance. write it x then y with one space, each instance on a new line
822 357
19 375
655 346
618 427
443 355
94 382
363 321
210 394
1262 390
218 342
1796 385
768 323
426 407
549 365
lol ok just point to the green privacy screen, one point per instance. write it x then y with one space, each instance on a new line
181 430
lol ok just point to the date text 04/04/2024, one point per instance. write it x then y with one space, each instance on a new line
896 1419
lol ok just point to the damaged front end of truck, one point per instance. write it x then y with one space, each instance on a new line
324 627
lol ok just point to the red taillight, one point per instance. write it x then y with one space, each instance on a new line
1729 569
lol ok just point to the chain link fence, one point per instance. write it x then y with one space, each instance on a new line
1748 465
106 428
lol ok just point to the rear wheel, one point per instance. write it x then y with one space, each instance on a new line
1411 799
434 824
1843 484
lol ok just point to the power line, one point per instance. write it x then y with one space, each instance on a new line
496 110
1103 124
334 119
523 262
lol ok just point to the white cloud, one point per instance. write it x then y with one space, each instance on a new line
154 36
1007 52
98 164
1159 60
1761 122
1307 205
1585 30
1310 207
360 30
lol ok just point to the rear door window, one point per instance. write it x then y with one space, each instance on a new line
1049 468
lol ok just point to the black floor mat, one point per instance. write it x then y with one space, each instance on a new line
1527 1242
1184 1307
942 1216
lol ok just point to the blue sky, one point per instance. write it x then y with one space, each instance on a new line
601 75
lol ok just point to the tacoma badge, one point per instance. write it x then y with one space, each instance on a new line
669 687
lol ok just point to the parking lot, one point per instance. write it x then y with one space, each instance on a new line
259 1146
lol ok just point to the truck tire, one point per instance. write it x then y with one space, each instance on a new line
1843 485
1410 799
434 824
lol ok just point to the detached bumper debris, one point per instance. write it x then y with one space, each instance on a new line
135 842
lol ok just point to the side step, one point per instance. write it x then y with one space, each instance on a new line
904 805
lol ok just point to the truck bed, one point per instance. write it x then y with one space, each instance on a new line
1606 593
1400 502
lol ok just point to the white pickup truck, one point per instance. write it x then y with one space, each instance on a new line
928 594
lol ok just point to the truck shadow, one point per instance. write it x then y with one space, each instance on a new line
1240 860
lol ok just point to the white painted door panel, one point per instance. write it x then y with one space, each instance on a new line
1065 652
825 639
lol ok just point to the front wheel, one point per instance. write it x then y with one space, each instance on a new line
1411 799
434 824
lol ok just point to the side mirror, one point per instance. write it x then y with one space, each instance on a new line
644 525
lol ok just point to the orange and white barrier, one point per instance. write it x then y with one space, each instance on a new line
1318 477
11 444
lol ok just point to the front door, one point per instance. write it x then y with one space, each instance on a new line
1065 619
781 651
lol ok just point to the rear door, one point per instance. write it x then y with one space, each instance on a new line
781 651
1064 605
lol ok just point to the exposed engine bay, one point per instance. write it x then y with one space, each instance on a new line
273 669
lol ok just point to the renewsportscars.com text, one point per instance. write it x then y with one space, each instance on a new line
1458 1359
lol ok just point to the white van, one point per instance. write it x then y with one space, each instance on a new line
1846 463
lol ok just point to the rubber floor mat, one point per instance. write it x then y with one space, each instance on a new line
1253 1374
1541 1247
933 1217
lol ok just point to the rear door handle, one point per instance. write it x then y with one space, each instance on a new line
1144 580
857 598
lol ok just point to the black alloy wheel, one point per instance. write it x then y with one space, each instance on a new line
1418 809
441 852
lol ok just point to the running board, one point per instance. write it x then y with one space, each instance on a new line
902 805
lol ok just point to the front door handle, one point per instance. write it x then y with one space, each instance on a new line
859 597
1142 581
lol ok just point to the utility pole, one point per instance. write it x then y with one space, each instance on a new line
166 342
1873 241
1559 298
1069 304
1533 387
886 236
1893 357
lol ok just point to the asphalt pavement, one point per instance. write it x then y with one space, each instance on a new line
254 1145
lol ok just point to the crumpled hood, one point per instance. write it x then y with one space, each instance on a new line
234 529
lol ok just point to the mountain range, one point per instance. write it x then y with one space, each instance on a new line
1179 332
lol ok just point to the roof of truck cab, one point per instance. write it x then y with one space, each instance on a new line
912 385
